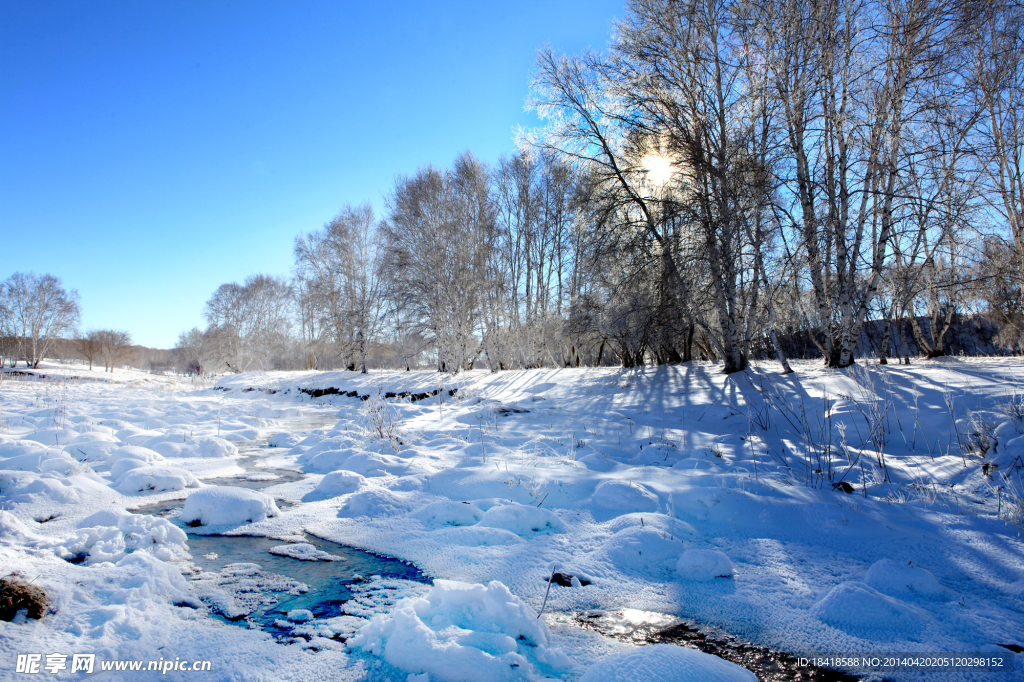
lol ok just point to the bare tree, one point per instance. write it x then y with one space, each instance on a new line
89 346
439 238
38 311
338 275
195 351
114 346
250 324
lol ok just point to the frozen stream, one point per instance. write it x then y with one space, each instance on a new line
359 582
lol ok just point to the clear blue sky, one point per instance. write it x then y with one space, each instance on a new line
151 151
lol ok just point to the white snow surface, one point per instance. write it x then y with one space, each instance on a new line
653 484
666 663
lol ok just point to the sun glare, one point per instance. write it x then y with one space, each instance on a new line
659 169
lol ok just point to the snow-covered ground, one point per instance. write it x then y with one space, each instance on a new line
869 510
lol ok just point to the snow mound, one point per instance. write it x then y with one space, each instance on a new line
642 551
126 464
374 502
522 520
624 497
227 506
96 450
120 535
462 633
27 487
338 483
447 513
138 452
53 436
865 612
283 440
40 460
901 580
199 446
155 479
666 663
596 462
328 460
304 552
704 564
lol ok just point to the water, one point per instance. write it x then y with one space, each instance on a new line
643 627
330 583
265 595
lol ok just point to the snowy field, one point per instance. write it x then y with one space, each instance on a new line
871 510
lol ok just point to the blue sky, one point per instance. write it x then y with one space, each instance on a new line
153 151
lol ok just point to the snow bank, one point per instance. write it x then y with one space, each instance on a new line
459 632
227 506
155 479
666 663
704 564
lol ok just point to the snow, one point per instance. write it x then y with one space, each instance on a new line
462 633
339 483
704 564
227 506
904 580
661 487
861 610
304 552
157 479
666 663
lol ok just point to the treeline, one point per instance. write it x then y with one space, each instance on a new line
728 180
39 319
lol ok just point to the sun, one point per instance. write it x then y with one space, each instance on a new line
658 169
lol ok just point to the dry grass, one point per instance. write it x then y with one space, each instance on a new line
17 594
